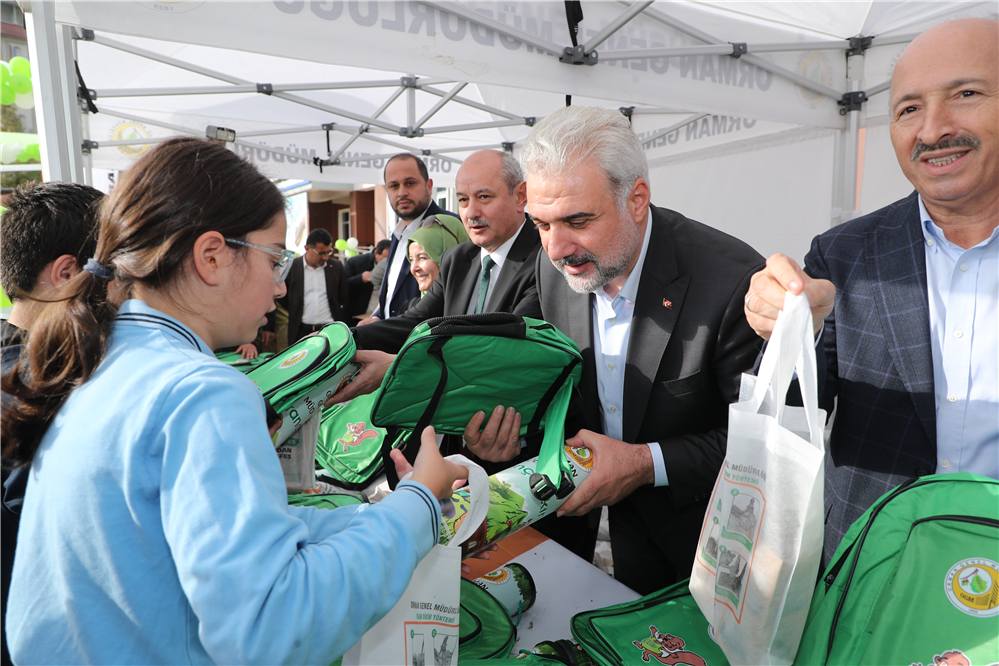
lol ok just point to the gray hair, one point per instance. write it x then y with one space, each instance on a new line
510 171
575 134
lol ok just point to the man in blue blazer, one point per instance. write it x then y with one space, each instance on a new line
905 299
410 192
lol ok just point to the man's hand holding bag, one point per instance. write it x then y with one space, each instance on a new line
761 542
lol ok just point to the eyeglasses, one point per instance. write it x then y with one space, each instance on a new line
430 221
283 265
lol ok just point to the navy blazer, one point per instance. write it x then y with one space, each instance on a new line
294 300
877 360
451 293
406 288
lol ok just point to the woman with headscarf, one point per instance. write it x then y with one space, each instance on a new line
426 246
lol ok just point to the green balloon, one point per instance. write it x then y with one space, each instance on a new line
7 94
34 151
351 253
4 72
20 84
19 65
24 156
340 244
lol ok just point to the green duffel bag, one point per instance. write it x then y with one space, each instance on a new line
485 630
914 581
475 362
237 361
663 627
349 448
328 500
299 379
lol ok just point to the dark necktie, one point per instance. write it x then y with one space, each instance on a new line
487 264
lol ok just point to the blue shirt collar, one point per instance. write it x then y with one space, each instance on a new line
134 312
931 232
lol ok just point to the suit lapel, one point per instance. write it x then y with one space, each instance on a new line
897 258
468 267
657 306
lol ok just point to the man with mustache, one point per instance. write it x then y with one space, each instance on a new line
904 300
654 301
410 192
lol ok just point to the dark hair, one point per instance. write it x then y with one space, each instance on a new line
382 245
44 221
420 164
181 189
319 236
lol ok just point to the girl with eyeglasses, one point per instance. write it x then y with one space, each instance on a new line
155 526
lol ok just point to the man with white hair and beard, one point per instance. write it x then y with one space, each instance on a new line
655 302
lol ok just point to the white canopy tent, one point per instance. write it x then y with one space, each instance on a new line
755 113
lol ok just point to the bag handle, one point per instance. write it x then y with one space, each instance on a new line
791 349
496 324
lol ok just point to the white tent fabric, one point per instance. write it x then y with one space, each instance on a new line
768 157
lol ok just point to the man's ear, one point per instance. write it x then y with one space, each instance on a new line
520 192
430 186
211 257
62 270
639 200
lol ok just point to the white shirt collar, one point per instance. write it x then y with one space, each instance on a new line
499 254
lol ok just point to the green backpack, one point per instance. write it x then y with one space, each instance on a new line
914 581
666 627
299 379
485 630
475 362
349 448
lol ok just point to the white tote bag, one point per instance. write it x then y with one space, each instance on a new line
761 542
422 627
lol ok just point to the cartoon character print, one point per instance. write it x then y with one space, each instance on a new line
356 433
667 649
952 658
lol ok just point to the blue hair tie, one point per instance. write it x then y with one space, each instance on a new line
98 269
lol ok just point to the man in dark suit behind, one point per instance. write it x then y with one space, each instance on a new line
654 301
316 287
410 192
358 270
904 299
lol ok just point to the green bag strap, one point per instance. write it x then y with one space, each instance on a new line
552 464
412 446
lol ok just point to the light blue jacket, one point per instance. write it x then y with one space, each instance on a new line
156 529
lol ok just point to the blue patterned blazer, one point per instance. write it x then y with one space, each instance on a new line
877 360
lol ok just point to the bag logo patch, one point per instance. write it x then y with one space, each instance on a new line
582 456
356 433
667 649
294 359
497 577
972 585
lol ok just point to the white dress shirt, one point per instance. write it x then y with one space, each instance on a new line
316 307
498 256
963 292
611 336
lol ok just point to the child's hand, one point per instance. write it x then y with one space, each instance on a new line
437 474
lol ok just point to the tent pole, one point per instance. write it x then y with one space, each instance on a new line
615 25
364 128
854 73
54 77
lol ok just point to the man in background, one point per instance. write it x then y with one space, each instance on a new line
316 288
410 192
904 300
46 236
358 270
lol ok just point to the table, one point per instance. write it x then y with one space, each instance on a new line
566 585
